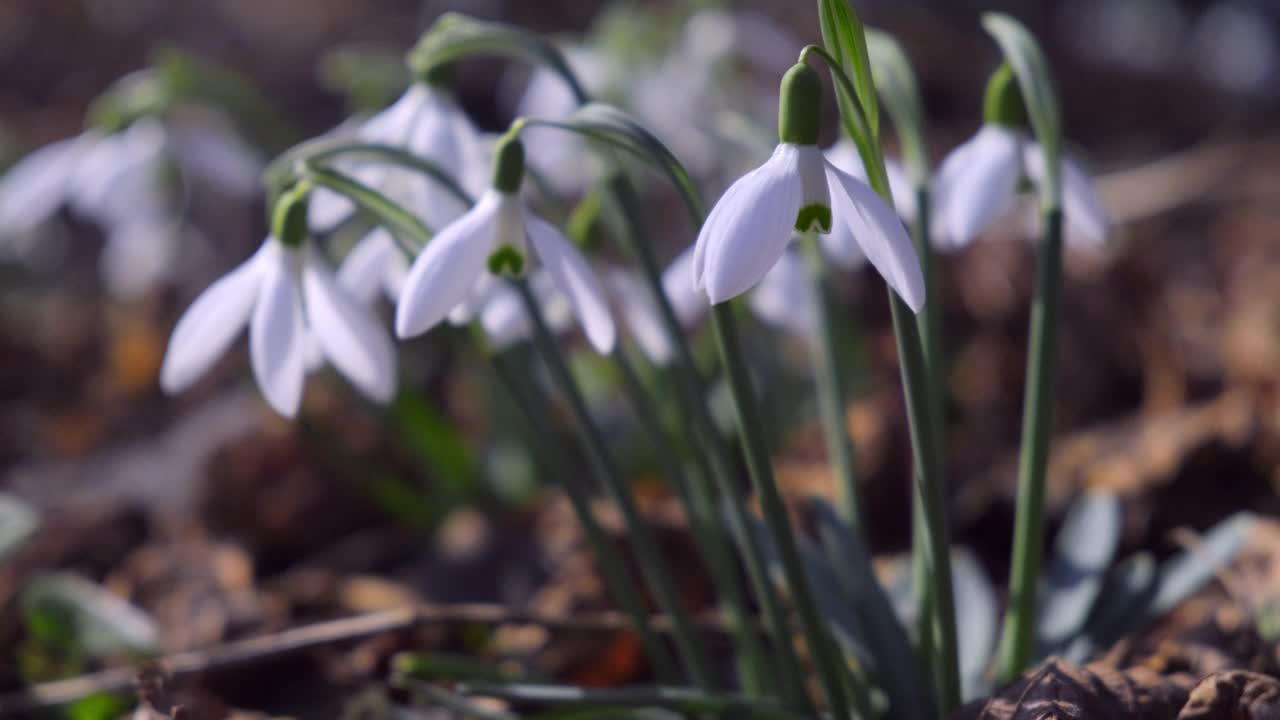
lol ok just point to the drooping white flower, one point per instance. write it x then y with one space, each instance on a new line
799 190
289 299
978 182
426 122
494 238
121 182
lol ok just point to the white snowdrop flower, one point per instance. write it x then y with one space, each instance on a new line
492 239
294 307
978 181
502 315
37 185
798 189
559 156
784 298
212 152
642 318
425 121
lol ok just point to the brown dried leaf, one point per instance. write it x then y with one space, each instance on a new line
1061 691
1234 695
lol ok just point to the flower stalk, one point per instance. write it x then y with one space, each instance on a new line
832 389
700 506
756 451
602 465
623 587
1037 427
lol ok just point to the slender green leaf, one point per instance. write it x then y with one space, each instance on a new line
896 82
977 623
18 521
404 225
456 36
436 441
897 669
1084 550
843 35
1023 54
94 621
616 128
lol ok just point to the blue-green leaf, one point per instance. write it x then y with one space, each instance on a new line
1126 590
1024 56
896 82
1084 550
843 36
93 620
404 225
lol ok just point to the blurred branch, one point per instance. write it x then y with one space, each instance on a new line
241 652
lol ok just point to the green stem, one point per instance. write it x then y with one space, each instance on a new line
832 389
700 505
692 391
929 324
751 431
1037 427
932 501
528 398
603 466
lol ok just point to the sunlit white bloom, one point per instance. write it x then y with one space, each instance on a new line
753 222
845 156
122 182
293 306
978 183
454 268
426 122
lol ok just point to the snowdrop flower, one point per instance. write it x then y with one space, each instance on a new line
425 121
978 182
492 240
845 156
121 181
502 315
798 189
560 156
294 307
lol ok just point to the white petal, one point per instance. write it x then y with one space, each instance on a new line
139 254
504 319
845 156
688 302
446 270
880 234
749 227
784 298
210 324
363 270
219 156
277 336
635 305
349 334
33 189
444 135
327 208
573 277
976 184
1083 213
394 123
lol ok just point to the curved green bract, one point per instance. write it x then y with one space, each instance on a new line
900 92
616 128
411 234
1032 70
456 36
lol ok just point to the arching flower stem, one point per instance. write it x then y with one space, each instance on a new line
832 390
527 397
700 504
604 468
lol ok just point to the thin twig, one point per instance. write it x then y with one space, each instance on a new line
242 652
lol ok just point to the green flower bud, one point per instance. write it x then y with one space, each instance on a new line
800 106
1003 104
289 215
508 164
